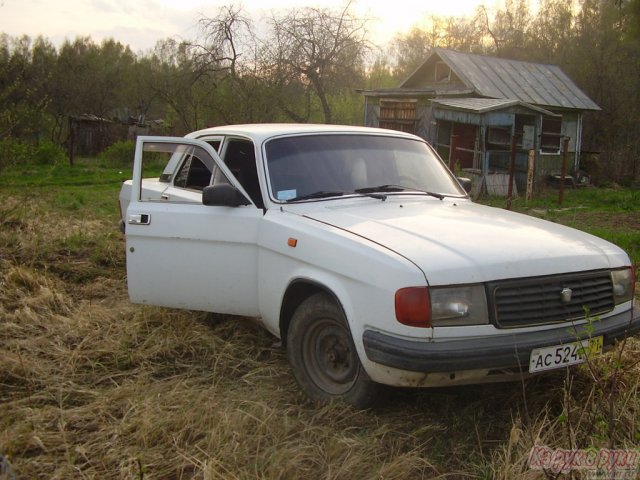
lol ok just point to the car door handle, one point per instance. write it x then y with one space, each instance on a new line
139 219
164 196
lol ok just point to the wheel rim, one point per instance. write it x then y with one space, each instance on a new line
329 356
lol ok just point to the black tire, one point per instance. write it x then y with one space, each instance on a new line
323 357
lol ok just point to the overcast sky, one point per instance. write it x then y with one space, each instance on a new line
141 23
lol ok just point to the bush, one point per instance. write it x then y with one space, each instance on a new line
119 154
48 153
14 152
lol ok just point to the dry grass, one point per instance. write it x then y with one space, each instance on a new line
107 389
92 386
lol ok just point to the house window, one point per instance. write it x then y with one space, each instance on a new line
551 136
499 138
398 115
443 73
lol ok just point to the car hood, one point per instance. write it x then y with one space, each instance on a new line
457 241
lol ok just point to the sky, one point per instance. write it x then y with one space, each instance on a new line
141 23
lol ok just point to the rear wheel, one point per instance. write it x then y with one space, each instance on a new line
323 357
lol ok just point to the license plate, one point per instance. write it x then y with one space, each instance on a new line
559 356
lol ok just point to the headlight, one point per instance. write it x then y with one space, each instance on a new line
453 306
427 307
623 284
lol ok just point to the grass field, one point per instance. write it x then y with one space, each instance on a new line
92 386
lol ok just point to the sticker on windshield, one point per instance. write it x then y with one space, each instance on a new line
286 194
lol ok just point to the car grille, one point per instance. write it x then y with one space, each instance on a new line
539 300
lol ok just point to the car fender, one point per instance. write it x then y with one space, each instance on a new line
362 275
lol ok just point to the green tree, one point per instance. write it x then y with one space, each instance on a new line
24 75
175 82
380 73
410 50
551 32
606 62
508 29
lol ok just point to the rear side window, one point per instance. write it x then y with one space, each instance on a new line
193 174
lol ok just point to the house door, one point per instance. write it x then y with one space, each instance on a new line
464 142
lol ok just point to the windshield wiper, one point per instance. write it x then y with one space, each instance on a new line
397 188
329 193
319 194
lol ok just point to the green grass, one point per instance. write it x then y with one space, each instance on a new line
87 188
84 172
597 199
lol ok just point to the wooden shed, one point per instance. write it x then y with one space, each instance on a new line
470 108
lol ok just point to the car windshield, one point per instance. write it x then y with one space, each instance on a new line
321 166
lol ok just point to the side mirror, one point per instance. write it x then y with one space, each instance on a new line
465 183
223 195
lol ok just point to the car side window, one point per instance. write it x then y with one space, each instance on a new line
239 156
215 144
193 174
174 172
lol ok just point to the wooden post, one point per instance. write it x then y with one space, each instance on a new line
72 140
563 170
452 153
531 166
512 169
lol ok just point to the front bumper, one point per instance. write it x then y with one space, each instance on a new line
495 352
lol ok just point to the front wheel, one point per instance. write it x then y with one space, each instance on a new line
323 357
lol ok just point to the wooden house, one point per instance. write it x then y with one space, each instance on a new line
470 108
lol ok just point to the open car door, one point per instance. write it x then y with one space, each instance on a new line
181 253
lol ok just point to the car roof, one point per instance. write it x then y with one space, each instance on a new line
260 132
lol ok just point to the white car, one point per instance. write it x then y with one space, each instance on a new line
363 253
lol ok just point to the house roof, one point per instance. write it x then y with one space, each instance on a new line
532 83
413 92
484 105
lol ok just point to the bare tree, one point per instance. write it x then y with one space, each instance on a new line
231 56
319 49
224 38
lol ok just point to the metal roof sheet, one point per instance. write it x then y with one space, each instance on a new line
413 92
483 105
532 83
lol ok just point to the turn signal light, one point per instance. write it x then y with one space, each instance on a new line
413 307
